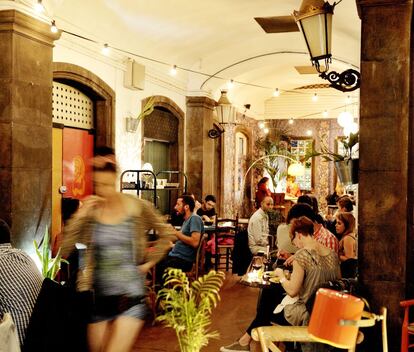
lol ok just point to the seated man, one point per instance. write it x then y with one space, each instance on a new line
207 210
258 228
177 218
183 254
20 282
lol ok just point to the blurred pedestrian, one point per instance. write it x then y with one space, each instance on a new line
113 227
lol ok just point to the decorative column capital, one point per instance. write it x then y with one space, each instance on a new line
25 25
203 102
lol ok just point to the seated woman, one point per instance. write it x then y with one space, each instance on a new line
292 188
345 227
313 265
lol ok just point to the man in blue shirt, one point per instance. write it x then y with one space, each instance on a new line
183 254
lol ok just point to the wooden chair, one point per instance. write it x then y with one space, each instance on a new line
225 232
407 329
198 266
269 335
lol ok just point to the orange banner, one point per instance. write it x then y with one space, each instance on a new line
77 170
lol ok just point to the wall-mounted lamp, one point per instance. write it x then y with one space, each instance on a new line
314 19
226 113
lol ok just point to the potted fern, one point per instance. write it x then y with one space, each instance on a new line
346 166
187 307
132 122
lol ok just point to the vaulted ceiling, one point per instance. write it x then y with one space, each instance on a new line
209 36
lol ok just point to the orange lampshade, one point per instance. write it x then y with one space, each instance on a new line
330 307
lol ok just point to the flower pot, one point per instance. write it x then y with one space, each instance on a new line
347 171
131 124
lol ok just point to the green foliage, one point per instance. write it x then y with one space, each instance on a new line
50 266
147 110
187 307
328 155
275 165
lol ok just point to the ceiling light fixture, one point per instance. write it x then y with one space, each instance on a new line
39 7
53 27
314 19
315 97
276 92
173 70
261 125
325 114
291 121
105 49
230 84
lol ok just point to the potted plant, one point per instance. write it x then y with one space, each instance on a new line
275 157
50 266
132 122
346 167
187 307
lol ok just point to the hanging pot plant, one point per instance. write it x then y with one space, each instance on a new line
133 122
346 167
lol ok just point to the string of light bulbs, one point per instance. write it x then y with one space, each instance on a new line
106 48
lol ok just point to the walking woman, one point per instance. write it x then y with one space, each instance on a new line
113 227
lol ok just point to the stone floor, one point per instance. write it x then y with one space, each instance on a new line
231 317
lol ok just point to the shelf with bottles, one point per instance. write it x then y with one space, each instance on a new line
139 181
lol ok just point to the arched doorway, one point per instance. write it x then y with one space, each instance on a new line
163 144
82 113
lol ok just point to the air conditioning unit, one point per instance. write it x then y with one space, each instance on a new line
134 77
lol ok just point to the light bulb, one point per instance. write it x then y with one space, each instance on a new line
261 125
173 70
230 84
315 97
351 128
266 130
345 118
325 113
276 92
309 132
348 99
291 121
105 49
53 28
39 8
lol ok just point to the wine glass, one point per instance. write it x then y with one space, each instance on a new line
257 263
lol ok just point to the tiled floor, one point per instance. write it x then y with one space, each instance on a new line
231 317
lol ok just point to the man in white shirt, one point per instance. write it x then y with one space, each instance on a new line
258 228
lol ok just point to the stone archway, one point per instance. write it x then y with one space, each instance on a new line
169 105
100 92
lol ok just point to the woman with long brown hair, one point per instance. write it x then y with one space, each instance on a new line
113 227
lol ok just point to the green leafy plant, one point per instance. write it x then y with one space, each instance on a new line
274 163
50 266
147 110
188 306
328 155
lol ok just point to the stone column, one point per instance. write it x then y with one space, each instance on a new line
384 156
25 125
199 147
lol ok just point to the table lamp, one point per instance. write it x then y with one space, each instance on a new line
336 317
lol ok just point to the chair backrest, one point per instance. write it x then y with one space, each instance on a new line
405 345
200 254
227 223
